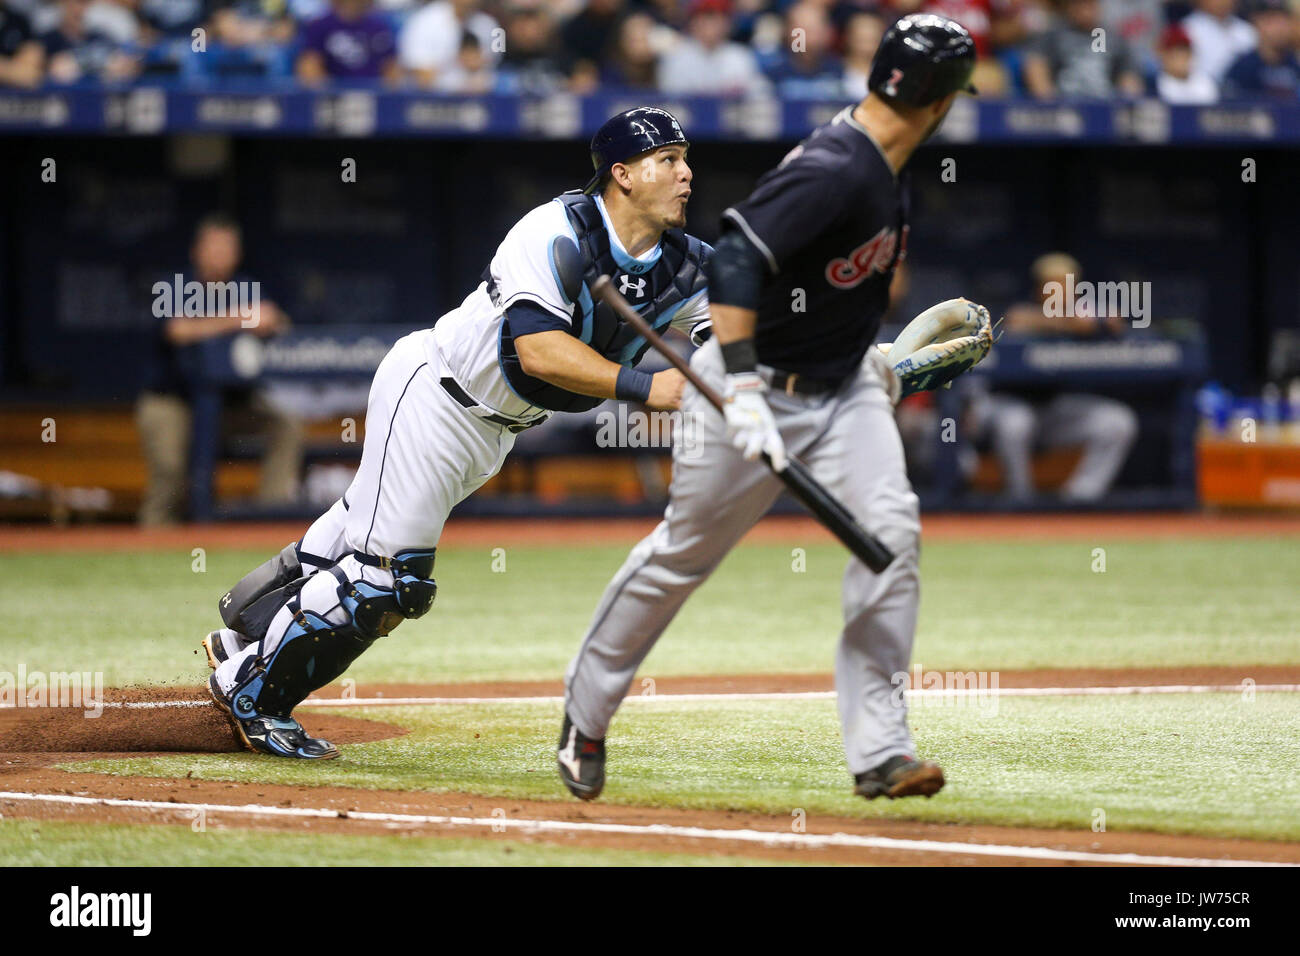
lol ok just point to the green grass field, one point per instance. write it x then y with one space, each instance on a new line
1006 604
31 843
1216 765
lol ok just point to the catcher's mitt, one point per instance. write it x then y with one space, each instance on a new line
939 344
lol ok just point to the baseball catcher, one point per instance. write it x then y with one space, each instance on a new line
444 410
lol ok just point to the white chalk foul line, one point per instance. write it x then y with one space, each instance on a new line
954 692
809 841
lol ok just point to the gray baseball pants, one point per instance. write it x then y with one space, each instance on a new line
850 442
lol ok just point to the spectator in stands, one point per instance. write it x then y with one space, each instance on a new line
706 61
1019 422
590 37
632 61
1272 69
174 18
862 33
807 68
1139 22
1071 60
249 23
22 57
1177 82
116 19
530 63
350 42
75 51
163 410
302 11
1218 37
472 72
433 42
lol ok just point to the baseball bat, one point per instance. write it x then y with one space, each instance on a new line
795 475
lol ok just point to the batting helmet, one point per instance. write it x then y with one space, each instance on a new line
629 134
923 58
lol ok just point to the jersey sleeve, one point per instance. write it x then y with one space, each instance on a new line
789 208
692 313
524 266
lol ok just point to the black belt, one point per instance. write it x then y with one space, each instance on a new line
453 389
793 383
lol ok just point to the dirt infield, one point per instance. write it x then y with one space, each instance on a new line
474 533
464 805
144 729
33 740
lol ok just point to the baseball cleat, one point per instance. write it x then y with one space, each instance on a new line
277 736
582 762
222 644
214 649
900 777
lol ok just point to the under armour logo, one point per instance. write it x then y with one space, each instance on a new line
626 283
225 601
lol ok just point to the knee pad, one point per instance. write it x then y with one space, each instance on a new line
237 606
413 582
413 585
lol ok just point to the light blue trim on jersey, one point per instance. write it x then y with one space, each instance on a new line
626 261
630 350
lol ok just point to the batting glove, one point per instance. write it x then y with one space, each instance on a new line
750 425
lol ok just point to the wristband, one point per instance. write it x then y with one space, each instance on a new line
740 356
632 385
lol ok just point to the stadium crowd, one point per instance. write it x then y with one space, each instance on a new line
1184 52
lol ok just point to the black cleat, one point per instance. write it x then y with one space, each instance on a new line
582 762
277 736
900 777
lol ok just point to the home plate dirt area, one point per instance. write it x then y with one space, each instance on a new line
40 747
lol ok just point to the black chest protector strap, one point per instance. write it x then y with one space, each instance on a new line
656 290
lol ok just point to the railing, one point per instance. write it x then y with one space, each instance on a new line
257 109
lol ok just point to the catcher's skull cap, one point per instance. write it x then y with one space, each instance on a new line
629 134
923 58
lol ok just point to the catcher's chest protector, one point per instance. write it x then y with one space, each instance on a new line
656 290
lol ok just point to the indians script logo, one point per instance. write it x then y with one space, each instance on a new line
874 255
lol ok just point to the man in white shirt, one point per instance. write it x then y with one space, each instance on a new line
430 42
1218 37
706 61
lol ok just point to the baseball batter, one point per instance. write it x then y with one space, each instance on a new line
799 281
444 409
